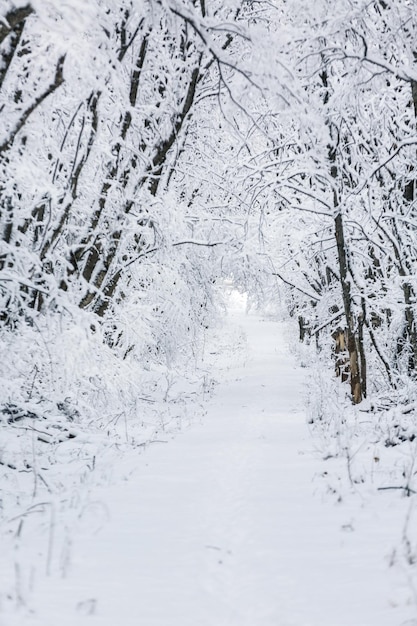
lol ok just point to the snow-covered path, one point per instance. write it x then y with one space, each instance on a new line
222 526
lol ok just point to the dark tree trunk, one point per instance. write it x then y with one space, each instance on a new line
352 339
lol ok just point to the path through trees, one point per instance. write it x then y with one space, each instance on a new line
225 525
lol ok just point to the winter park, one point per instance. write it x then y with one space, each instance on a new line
208 340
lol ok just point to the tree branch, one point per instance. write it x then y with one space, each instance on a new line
205 244
58 80
287 282
13 19
403 144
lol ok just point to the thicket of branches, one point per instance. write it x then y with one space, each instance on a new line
111 218
335 188
149 148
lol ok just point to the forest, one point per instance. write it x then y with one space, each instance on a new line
151 150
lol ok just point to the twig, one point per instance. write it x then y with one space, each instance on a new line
408 490
206 244
287 282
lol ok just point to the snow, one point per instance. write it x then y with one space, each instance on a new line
229 522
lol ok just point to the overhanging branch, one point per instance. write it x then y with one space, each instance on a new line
190 242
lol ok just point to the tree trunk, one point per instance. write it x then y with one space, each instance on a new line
352 339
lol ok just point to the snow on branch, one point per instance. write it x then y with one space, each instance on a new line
293 286
404 144
13 19
57 82
190 242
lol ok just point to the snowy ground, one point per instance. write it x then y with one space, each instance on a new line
232 522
